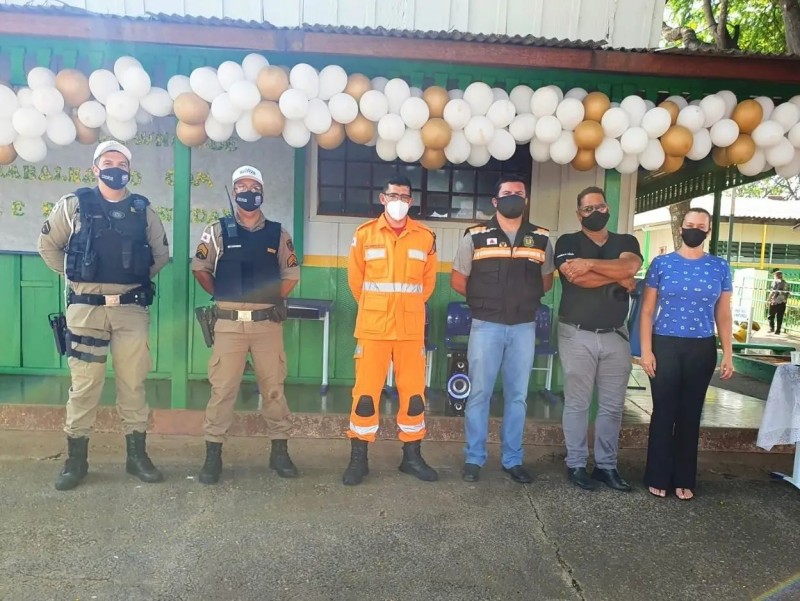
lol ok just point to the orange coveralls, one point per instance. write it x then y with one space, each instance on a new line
390 277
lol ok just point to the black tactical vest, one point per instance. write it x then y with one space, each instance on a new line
111 246
505 283
248 270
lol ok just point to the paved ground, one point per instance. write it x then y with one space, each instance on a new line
258 537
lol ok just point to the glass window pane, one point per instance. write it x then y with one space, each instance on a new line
486 181
413 173
464 180
331 201
439 180
358 174
357 202
463 207
331 173
485 208
359 152
381 172
437 206
337 153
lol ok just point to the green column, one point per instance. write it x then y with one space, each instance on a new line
715 217
180 280
646 251
299 201
613 188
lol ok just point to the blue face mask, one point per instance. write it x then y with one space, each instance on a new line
249 201
115 178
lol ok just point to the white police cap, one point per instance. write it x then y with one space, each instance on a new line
247 171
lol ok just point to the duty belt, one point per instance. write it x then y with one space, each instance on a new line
140 296
578 326
270 314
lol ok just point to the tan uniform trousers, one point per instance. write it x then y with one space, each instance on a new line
233 341
127 327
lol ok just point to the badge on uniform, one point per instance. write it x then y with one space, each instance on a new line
205 237
289 245
46 228
291 261
527 241
117 214
202 251
272 251
491 241
503 244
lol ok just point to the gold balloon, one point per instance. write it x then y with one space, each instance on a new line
588 135
272 81
594 105
672 164
672 108
720 156
436 98
85 135
357 85
191 109
436 134
268 119
677 141
191 135
747 114
7 154
360 131
584 160
74 87
332 138
433 159
742 150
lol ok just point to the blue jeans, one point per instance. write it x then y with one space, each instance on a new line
493 346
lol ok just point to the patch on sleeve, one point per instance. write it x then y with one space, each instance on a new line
291 261
290 245
202 251
353 243
46 228
206 237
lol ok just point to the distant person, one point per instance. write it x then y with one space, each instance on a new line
778 297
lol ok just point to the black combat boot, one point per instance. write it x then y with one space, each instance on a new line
138 463
212 468
414 464
359 465
76 465
280 461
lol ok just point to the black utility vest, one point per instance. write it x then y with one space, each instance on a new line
505 283
111 246
248 270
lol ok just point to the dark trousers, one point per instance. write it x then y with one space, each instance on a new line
776 312
684 367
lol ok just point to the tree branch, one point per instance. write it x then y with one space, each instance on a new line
686 35
708 11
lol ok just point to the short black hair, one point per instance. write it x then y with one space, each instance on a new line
397 180
700 210
591 190
507 178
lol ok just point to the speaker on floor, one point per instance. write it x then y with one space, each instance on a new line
458 384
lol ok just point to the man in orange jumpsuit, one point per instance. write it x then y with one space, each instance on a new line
391 272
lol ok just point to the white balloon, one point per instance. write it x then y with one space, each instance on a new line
713 107
615 122
8 102
791 168
570 113
102 83
386 149
729 98
92 114
794 136
228 74
795 100
767 134
177 85
780 154
548 129
391 127
650 105
122 105
609 154
635 107
48 101
479 156
458 150
374 141
41 77
205 83
136 81
577 94
61 129
252 64
296 133
629 164
142 117
457 114
343 108
679 100
787 114
7 132
724 132
755 165
122 130
29 123
379 83
503 146
318 119
694 102
25 97
501 114
479 96
397 92
701 145
332 81
415 112
544 101
245 129
564 149
374 105
614 105
653 156
224 111
305 78
767 105
416 92
410 146
634 140
499 94
523 128
125 63
456 93
219 132
31 149
294 106
157 102
244 95
559 92
479 131
540 151
692 118
521 96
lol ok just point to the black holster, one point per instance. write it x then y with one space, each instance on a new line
207 319
58 323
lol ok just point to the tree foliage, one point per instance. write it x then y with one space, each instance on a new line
772 186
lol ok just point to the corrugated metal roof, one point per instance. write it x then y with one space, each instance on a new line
746 208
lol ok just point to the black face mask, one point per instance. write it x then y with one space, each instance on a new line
249 201
115 178
596 221
693 237
511 206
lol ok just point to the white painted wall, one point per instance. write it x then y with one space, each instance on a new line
622 23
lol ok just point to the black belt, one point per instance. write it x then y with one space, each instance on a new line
597 330
270 314
140 296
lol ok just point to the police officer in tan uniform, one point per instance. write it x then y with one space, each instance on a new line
108 243
248 264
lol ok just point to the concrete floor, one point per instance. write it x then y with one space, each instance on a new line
258 537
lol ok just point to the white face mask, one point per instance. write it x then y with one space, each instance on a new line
397 209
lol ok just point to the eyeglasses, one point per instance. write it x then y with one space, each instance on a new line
257 188
603 208
394 196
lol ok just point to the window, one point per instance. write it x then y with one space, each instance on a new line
352 176
750 252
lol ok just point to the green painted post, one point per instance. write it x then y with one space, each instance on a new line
613 188
646 251
716 216
180 255
299 201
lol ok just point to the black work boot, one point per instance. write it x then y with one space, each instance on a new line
359 465
76 466
138 463
212 468
414 464
280 461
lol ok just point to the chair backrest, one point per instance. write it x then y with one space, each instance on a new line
544 324
459 322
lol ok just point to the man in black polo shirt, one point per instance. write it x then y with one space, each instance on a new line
597 269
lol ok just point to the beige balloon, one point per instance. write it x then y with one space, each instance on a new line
677 141
673 110
191 109
436 98
672 163
191 135
332 138
748 115
588 135
436 134
357 85
74 87
433 159
742 150
595 105
268 119
7 154
360 131
584 160
272 81
85 135
720 157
